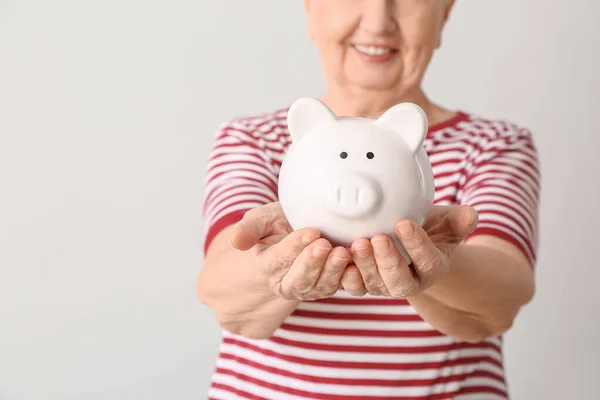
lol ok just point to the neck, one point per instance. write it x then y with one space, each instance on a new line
349 102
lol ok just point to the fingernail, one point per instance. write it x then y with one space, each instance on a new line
319 251
474 217
308 238
361 251
406 228
381 246
337 261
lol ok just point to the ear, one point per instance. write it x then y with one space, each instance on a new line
408 121
305 114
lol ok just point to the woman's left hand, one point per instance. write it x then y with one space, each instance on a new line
381 270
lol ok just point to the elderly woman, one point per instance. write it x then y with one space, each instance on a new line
302 319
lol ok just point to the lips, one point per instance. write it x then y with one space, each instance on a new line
374 52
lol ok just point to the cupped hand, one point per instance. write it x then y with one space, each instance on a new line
380 268
296 265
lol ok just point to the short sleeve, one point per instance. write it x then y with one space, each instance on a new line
503 184
238 177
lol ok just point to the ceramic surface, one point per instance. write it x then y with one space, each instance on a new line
354 177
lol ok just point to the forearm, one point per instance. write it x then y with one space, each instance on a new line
480 296
231 285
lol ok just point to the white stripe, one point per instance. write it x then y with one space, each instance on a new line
344 356
352 324
222 394
484 381
457 144
479 396
445 168
447 180
436 158
447 191
364 340
254 389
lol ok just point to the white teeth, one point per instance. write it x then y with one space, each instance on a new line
372 50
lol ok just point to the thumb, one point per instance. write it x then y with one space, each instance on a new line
464 220
254 225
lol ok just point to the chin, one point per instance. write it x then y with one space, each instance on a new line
375 82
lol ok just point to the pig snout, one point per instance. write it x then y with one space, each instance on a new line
353 195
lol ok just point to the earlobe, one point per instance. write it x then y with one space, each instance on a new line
305 114
408 121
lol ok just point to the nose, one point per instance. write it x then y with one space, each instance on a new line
353 196
377 17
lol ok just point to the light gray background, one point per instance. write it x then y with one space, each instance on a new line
107 112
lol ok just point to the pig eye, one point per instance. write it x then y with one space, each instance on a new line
370 155
343 155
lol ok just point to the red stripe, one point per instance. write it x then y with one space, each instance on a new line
238 392
361 332
221 224
482 390
358 316
364 365
503 235
384 349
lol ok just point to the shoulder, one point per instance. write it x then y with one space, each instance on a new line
257 127
483 130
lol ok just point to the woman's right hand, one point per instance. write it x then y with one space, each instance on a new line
296 265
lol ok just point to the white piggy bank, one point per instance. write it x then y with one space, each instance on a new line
355 177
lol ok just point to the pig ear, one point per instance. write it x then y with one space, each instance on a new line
305 114
407 120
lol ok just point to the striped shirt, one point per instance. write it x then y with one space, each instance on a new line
372 347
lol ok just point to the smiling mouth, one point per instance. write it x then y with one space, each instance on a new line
375 51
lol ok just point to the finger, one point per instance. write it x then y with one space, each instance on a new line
454 222
329 281
397 276
365 261
352 281
428 262
305 270
253 226
464 220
